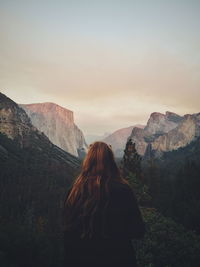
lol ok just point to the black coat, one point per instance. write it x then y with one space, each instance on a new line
123 223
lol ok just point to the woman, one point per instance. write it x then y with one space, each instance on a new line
101 214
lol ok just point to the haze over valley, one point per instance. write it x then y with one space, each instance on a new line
162 132
119 71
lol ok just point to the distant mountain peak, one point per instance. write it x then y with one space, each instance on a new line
14 121
58 124
47 105
16 125
6 102
156 115
166 132
168 113
118 139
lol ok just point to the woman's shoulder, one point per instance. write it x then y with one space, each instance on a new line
122 195
120 187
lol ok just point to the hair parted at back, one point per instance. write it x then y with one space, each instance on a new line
98 170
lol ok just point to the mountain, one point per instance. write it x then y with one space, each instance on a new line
90 138
118 139
57 123
187 131
34 178
16 125
166 132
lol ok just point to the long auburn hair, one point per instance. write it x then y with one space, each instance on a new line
98 170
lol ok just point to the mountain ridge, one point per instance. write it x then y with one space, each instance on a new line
118 139
166 132
58 125
16 125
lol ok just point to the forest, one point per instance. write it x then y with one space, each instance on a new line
167 190
33 186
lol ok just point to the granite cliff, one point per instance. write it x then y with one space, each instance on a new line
16 125
166 132
57 123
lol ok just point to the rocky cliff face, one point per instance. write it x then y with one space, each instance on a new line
138 138
166 132
182 135
159 123
118 140
57 123
15 124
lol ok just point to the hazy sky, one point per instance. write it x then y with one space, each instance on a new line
111 62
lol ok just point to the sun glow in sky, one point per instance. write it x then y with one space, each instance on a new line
111 62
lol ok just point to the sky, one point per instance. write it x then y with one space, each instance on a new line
112 63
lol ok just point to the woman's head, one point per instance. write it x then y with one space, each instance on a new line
98 170
100 162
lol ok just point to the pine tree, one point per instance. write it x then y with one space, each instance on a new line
131 169
151 173
131 160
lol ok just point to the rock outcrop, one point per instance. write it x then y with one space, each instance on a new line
14 122
166 132
182 135
57 123
159 124
16 125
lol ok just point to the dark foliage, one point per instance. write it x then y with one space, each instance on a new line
166 243
175 192
174 183
131 160
33 187
32 191
131 170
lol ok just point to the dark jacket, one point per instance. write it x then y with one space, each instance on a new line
122 223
